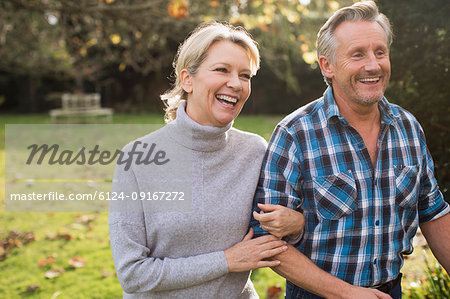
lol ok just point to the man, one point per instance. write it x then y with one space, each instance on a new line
358 168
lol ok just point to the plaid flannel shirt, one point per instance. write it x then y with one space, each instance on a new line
359 219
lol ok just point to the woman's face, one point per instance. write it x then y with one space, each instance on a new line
221 86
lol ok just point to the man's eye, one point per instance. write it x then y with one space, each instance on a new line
246 76
357 55
221 69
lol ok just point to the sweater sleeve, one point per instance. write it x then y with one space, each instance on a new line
138 271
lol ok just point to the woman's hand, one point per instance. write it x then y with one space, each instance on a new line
250 254
281 221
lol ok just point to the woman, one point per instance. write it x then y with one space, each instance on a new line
201 250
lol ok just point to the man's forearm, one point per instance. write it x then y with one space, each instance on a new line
301 271
437 233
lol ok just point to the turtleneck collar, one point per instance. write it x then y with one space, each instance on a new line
194 136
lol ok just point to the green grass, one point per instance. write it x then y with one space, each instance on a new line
91 241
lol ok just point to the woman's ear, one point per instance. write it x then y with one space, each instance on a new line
326 66
186 80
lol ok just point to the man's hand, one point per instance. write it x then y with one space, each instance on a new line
359 292
281 221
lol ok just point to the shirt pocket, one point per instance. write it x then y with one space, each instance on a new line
407 183
335 195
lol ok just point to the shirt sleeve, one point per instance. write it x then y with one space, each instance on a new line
280 176
431 201
139 271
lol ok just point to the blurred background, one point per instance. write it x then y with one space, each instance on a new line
124 49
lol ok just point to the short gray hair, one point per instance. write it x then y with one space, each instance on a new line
360 11
192 52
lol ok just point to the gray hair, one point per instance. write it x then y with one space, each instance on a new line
193 51
360 11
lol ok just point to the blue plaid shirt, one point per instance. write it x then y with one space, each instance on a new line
360 220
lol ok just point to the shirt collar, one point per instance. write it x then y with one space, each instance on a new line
332 110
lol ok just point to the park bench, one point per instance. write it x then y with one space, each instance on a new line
80 108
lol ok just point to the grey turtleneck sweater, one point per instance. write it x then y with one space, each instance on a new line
174 249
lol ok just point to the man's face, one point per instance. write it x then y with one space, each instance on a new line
362 69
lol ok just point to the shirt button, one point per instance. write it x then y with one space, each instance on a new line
377 222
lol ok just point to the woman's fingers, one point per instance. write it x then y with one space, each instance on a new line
264 217
250 253
249 235
268 207
262 264
280 221
274 251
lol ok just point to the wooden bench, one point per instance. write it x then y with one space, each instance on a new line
80 107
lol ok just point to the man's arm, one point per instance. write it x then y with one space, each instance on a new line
300 270
437 233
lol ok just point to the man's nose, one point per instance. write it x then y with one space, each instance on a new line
372 63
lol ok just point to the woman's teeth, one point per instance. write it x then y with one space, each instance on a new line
226 100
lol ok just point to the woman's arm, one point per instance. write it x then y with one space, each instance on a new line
139 271
280 221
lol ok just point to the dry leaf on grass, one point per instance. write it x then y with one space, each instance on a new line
45 262
13 240
32 288
274 292
53 273
106 273
85 219
77 262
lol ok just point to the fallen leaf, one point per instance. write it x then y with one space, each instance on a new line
85 219
14 239
77 226
45 262
32 288
50 237
106 273
77 262
53 273
273 292
65 236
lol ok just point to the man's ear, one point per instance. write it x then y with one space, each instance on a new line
326 66
186 80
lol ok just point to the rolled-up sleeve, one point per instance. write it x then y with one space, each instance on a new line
431 201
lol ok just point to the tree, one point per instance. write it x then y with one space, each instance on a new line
420 59
92 42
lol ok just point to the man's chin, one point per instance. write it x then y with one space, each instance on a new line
370 99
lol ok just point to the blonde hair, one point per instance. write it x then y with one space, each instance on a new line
360 11
193 51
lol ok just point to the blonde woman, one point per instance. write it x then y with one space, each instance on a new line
206 251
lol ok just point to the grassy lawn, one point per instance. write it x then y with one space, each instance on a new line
74 247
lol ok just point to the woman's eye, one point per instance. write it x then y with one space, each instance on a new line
357 55
221 69
246 76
